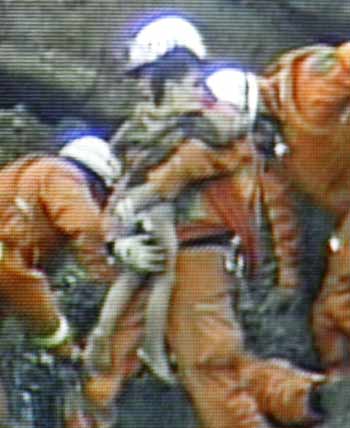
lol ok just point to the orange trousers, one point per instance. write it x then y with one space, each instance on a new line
228 387
331 309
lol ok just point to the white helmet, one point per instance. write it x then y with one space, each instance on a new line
96 155
161 36
236 87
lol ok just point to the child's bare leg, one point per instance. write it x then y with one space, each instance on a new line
98 351
154 353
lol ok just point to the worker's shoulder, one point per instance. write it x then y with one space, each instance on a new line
55 166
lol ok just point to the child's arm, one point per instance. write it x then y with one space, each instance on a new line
193 161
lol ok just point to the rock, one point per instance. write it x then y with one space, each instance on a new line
63 57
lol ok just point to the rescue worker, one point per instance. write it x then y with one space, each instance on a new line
47 202
227 385
161 215
307 90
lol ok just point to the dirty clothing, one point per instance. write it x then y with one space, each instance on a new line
203 335
45 202
227 385
156 131
307 91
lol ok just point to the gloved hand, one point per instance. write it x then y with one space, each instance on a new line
60 343
140 253
128 209
125 211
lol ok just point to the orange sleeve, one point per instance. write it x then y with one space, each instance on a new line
72 209
193 161
281 215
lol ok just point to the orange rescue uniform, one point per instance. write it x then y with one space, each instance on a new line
44 203
227 385
308 91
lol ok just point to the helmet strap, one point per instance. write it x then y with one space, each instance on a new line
97 185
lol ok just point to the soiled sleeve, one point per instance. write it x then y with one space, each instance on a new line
194 161
69 204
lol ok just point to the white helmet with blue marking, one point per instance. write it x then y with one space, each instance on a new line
236 87
96 155
162 35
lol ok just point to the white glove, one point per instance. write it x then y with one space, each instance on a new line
125 210
140 254
138 199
